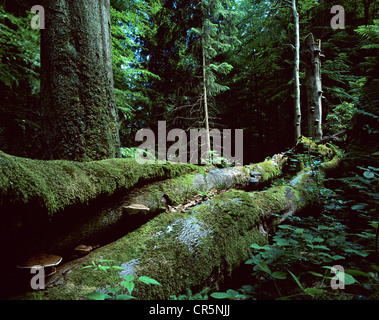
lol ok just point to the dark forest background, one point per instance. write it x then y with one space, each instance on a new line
157 69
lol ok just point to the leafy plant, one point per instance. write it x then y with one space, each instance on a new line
308 291
340 117
118 293
189 295
229 294
102 267
217 160
307 246
128 152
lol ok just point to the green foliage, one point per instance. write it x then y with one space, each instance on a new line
308 291
130 23
99 266
19 54
213 35
293 244
229 294
128 152
19 85
307 249
127 285
371 34
217 160
362 185
340 117
202 295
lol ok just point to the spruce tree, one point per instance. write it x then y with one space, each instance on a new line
217 35
79 115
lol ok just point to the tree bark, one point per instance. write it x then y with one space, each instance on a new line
314 88
205 94
297 72
78 105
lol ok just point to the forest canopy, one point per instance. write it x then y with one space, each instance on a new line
158 68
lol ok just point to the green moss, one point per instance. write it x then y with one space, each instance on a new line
268 170
54 185
325 151
332 164
334 160
181 250
176 249
179 189
308 143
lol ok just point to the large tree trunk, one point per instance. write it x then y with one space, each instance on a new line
297 72
78 104
314 88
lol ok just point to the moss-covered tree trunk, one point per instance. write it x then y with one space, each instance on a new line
78 106
118 217
61 204
193 249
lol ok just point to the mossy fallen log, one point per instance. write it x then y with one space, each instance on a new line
155 197
52 186
177 249
57 205
182 250
37 195
218 232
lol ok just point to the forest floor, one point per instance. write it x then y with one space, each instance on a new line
305 254
327 252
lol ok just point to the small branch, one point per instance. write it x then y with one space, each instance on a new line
290 45
335 137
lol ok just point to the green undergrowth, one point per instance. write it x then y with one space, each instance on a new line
54 185
330 252
311 258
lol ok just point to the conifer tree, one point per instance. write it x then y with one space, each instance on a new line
217 35
79 115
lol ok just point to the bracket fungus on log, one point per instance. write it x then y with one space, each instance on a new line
83 249
42 260
135 208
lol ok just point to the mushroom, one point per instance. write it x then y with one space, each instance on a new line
47 261
136 208
83 249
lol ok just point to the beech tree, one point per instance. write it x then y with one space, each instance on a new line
79 114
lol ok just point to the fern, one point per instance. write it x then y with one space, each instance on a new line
371 33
